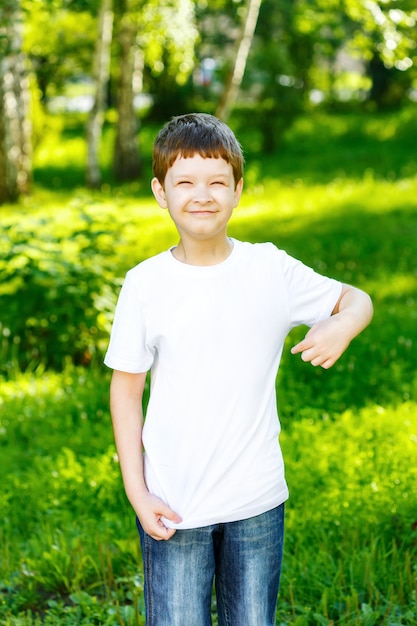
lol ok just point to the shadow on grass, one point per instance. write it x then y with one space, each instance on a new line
64 168
73 176
347 242
317 149
321 148
60 178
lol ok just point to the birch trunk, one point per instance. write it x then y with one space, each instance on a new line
101 70
15 146
126 163
243 44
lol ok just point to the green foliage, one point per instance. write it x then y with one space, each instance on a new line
67 540
166 38
62 289
62 268
172 49
66 53
341 196
351 527
353 490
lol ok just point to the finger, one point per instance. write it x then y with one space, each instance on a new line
168 533
322 358
304 344
299 347
316 362
328 363
162 533
157 529
309 355
166 511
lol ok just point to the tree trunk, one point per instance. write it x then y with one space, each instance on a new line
243 44
382 93
127 164
101 70
15 146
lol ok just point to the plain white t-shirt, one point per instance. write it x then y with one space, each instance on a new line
213 337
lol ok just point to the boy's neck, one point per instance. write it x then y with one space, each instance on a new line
203 252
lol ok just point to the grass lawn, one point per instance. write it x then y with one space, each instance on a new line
341 195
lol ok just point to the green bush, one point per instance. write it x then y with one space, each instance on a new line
54 289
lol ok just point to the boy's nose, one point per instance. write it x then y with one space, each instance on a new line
202 194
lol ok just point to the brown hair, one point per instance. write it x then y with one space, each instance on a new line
193 133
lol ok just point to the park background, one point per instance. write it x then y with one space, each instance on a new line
322 96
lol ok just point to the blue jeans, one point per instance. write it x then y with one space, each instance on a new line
243 558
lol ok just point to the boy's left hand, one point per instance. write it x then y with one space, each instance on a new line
327 340
324 343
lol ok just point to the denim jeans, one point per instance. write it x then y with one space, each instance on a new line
243 558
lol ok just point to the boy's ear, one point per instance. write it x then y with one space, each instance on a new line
238 192
159 193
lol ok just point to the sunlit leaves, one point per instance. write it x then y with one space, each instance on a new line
389 28
66 53
364 29
167 35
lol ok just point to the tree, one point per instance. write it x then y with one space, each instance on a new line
158 35
389 29
243 44
126 159
277 76
101 71
15 147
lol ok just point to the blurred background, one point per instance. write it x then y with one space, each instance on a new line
323 98
130 63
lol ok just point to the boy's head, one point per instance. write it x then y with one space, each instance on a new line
186 135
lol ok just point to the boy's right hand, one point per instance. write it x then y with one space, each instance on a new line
150 513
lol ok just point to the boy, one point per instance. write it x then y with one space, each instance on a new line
209 317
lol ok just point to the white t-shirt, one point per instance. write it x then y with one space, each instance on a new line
213 337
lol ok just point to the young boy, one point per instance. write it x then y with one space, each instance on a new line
204 472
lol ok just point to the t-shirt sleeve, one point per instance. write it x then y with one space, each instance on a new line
128 350
311 296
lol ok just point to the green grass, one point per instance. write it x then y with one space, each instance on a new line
341 196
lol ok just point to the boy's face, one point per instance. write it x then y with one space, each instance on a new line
200 195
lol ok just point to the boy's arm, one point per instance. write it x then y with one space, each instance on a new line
126 393
326 341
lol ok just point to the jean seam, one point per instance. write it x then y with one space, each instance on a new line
149 599
220 591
